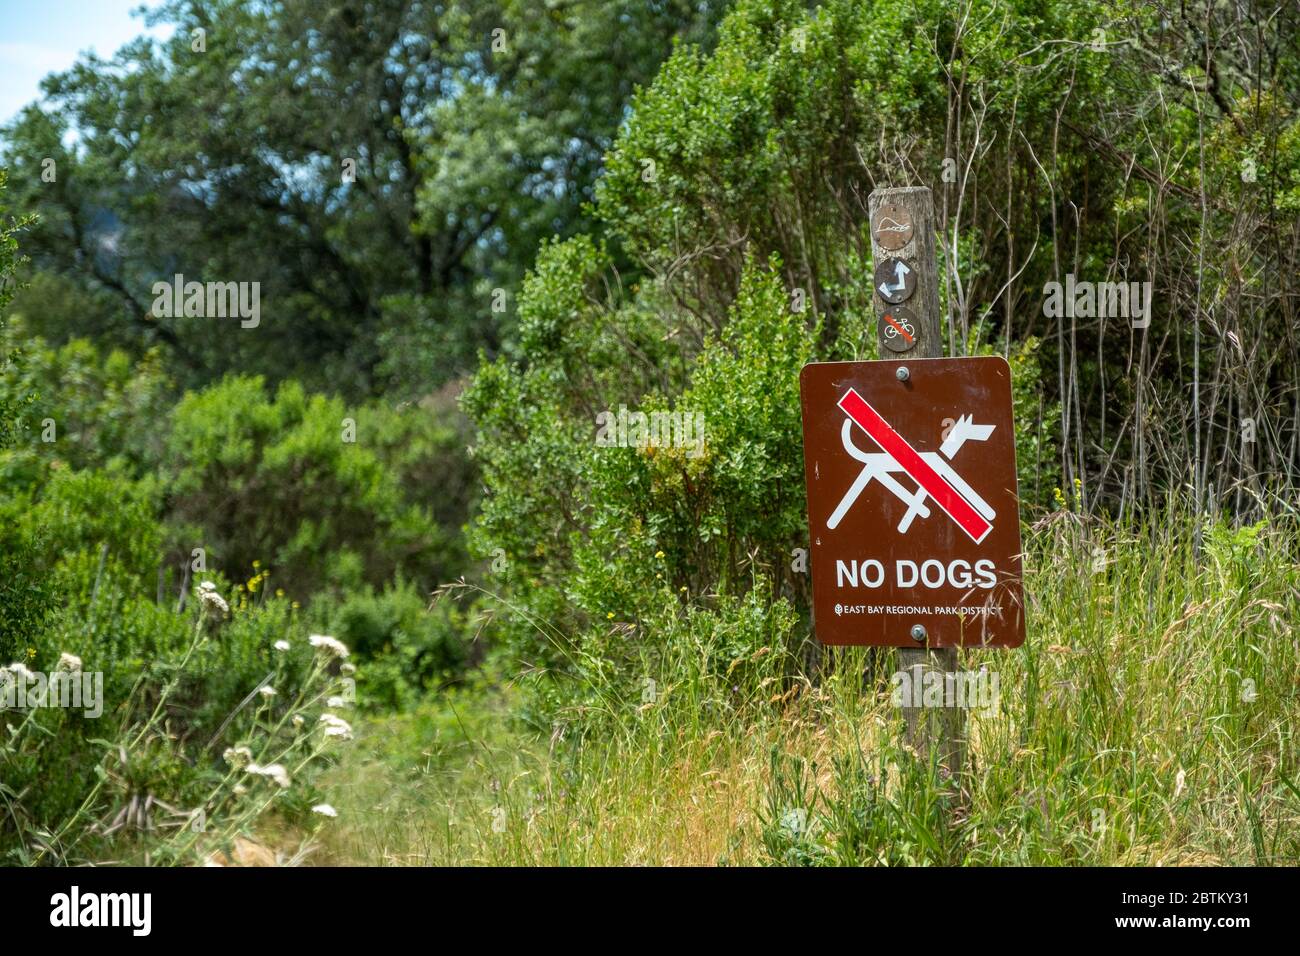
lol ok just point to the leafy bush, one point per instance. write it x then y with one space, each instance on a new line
299 481
90 409
25 597
598 534
85 523
25 593
408 648
159 769
329 494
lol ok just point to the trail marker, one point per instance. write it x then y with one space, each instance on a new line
892 227
895 280
899 330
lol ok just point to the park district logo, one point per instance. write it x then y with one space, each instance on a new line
77 909
913 512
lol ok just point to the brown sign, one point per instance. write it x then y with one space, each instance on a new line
913 514
893 226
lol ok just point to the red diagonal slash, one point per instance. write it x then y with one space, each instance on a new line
896 446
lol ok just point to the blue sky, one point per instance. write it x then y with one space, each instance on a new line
46 36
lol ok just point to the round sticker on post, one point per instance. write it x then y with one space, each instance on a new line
895 281
898 329
893 227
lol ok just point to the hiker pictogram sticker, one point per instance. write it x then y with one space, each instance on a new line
912 502
893 226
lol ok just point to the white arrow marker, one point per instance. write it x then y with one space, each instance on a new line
900 280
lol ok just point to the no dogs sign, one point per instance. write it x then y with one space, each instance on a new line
912 503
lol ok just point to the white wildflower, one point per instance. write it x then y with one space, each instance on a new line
274 771
17 669
70 662
281 645
325 810
297 720
237 756
336 702
331 645
239 789
209 598
268 691
1180 782
336 726
347 670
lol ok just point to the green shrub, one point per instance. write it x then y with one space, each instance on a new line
89 410
98 510
409 648
300 482
179 689
25 596
331 495
81 525
587 534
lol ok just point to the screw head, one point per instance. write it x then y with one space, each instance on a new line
901 373
918 632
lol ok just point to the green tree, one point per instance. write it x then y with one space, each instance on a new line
380 167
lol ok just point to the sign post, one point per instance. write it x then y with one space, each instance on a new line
946 729
912 500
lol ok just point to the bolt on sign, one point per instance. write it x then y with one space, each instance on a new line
913 509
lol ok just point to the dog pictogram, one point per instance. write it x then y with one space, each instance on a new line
935 478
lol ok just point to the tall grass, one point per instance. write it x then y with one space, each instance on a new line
1150 718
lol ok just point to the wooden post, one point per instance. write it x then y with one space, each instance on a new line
937 731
